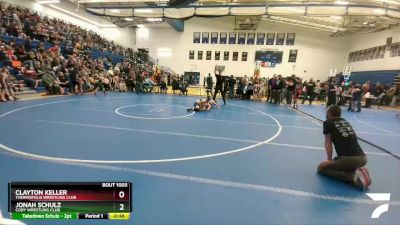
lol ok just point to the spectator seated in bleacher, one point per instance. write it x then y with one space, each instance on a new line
52 83
64 57
30 82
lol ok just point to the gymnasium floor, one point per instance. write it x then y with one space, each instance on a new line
248 163
379 127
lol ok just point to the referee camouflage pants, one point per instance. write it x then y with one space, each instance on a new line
343 167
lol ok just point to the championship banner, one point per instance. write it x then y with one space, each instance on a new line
235 56
280 38
191 54
242 38
223 37
214 37
270 38
226 56
290 38
293 55
205 37
196 37
250 38
232 38
260 38
208 55
217 55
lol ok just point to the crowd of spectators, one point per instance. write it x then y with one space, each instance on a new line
29 25
291 90
38 51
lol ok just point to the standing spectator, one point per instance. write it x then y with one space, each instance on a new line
231 85
365 92
297 94
356 98
339 93
245 80
331 90
139 83
269 94
274 89
394 92
379 93
282 88
240 89
291 86
219 86
318 90
209 82
310 86
279 85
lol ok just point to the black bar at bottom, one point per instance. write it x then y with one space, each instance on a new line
93 216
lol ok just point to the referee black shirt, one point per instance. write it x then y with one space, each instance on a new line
343 137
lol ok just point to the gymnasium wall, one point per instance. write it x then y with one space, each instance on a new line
317 52
365 41
65 10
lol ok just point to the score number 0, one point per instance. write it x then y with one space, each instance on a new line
121 195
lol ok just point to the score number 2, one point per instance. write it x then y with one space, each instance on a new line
121 195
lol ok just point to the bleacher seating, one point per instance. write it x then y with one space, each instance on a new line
94 53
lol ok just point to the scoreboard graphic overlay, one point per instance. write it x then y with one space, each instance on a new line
70 200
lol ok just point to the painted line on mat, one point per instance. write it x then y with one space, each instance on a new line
58 159
321 148
370 125
247 122
183 134
240 185
139 130
117 111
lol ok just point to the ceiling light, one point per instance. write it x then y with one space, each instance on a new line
303 23
157 19
128 19
115 10
341 2
163 49
140 26
68 12
143 10
379 11
48 1
335 17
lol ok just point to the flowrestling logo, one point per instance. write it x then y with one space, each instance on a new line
380 197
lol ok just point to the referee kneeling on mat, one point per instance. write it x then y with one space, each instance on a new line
349 164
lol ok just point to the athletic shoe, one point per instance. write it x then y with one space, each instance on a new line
361 178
